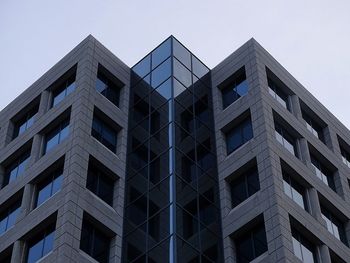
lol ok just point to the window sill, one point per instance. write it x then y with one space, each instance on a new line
243 202
228 155
235 102
87 256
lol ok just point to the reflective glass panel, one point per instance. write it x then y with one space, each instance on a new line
161 73
161 53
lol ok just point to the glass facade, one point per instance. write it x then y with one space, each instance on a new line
172 207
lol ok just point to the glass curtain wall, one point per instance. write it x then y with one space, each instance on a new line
172 203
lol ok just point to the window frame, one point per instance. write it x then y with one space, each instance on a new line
111 83
286 139
56 131
239 129
302 242
22 159
64 88
13 209
102 126
296 186
49 180
41 237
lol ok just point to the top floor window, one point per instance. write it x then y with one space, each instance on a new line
108 85
25 122
276 92
238 135
234 87
63 87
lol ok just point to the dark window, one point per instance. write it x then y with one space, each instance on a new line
276 92
100 184
25 122
108 87
322 172
313 126
94 242
104 133
345 156
56 136
302 248
66 88
251 245
285 138
9 216
236 87
334 225
41 245
16 168
239 135
49 187
294 190
244 186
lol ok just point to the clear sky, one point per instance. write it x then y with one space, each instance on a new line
310 38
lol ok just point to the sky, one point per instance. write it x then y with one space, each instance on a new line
310 38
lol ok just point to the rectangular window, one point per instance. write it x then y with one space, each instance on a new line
302 248
239 135
25 122
16 168
313 126
9 216
251 244
108 85
334 225
244 186
234 88
286 139
345 156
294 190
100 183
276 92
104 133
57 135
49 187
322 172
41 245
63 90
94 242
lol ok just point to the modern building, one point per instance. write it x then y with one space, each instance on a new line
169 161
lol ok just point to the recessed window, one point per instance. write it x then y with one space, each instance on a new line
345 156
239 135
16 168
286 139
334 225
278 94
244 186
9 216
25 122
108 85
303 249
56 135
294 190
345 151
100 182
63 87
104 133
313 123
41 245
49 186
251 244
94 242
234 87
322 172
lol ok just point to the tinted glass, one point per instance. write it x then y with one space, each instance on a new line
161 53
198 68
239 135
182 74
161 73
143 67
35 252
182 54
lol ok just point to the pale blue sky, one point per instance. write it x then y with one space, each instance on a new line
311 39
